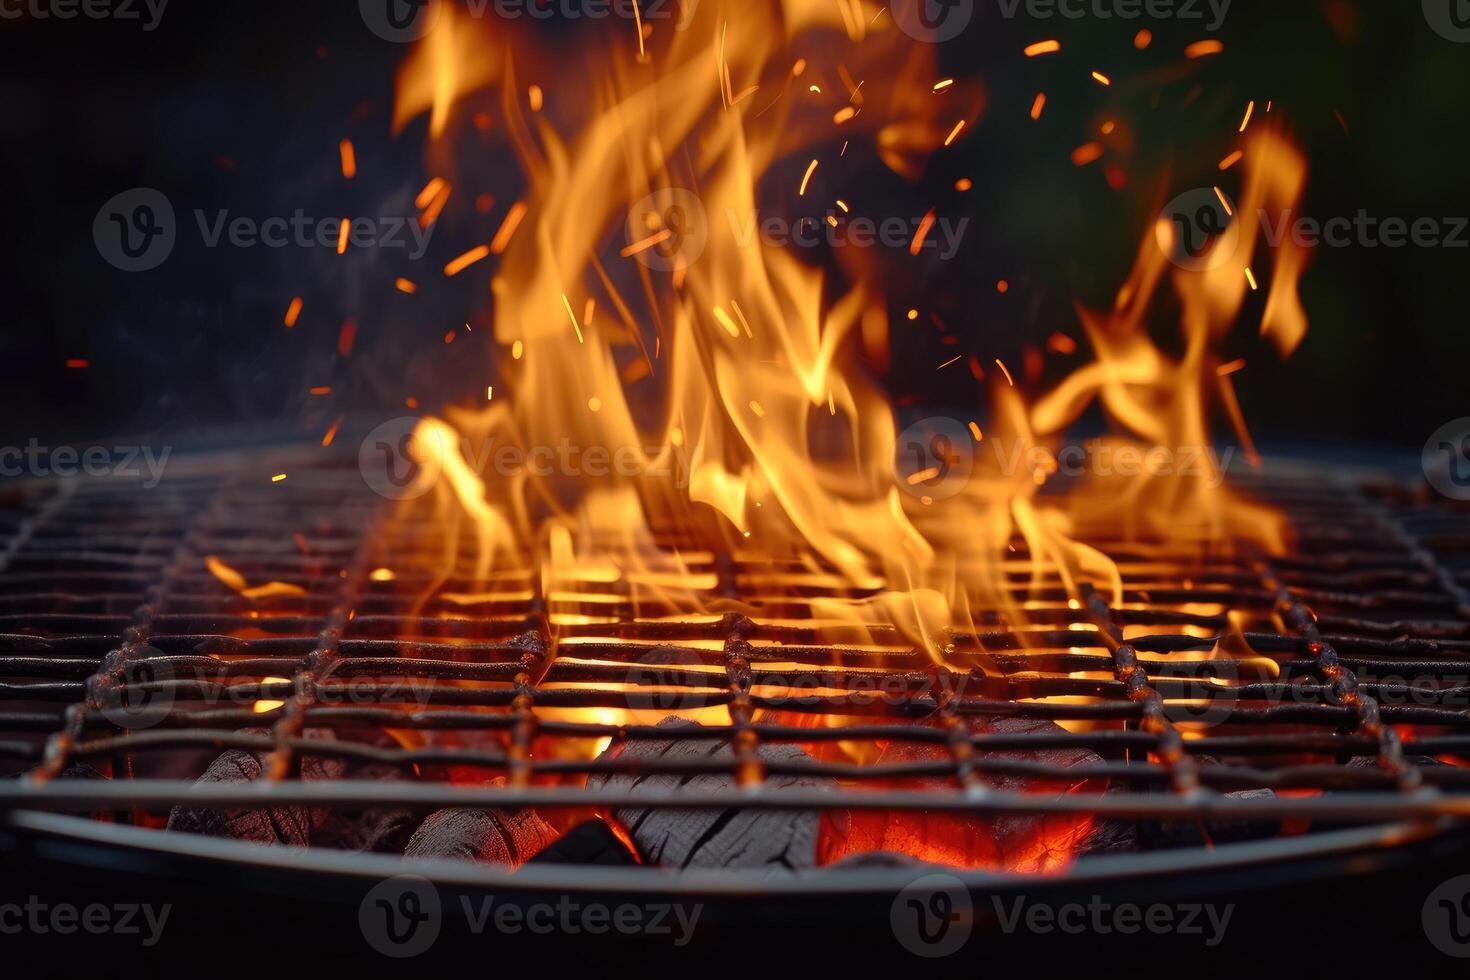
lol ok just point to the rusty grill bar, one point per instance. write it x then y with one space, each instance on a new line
107 606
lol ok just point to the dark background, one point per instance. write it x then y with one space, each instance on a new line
240 104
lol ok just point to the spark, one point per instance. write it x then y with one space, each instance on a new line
963 184
1038 105
575 325
349 159
293 312
811 169
921 233
730 326
342 234
843 115
647 243
78 363
922 475
1143 39
508 227
517 350
1043 47
1248 110
331 434
1086 154
347 338
489 393
1060 343
913 314
1200 49
638 24
843 205
431 190
435 207
1250 277
456 266
279 478
1232 160
1002 287
406 286
535 97
320 390
1101 79
1005 371
943 84
1225 203
975 431
1225 370
954 132
382 575
949 362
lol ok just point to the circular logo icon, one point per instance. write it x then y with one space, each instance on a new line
667 230
932 458
136 231
1213 695
144 694
400 21
1447 459
1449 18
932 21
665 679
402 458
401 917
933 916
1446 917
1197 230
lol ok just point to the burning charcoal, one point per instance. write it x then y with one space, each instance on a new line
372 829
491 837
1009 842
589 843
777 841
1154 834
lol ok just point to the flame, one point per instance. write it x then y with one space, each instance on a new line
729 379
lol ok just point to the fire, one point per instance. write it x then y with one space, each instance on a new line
729 380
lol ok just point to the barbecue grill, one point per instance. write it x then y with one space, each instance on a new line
1331 747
